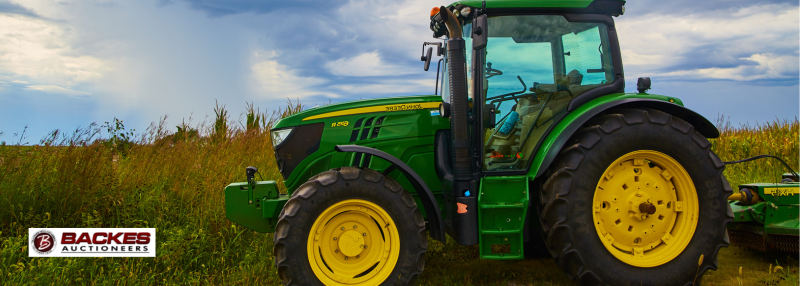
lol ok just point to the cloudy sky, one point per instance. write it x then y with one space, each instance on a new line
65 64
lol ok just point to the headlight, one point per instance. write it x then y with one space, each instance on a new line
279 135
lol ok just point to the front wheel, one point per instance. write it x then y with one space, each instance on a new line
636 198
350 227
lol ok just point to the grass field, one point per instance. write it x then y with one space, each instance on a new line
173 181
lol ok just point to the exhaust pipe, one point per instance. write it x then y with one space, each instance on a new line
462 167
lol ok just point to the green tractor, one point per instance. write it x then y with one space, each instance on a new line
532 146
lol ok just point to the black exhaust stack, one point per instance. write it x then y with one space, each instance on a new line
462 167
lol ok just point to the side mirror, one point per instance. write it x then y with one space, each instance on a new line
427 58
491 117
643 84
479 32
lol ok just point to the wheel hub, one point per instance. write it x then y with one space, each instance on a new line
351 243
640 208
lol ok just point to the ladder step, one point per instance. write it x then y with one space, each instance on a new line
493 206
514 231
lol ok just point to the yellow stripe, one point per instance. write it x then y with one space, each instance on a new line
781 191
380 108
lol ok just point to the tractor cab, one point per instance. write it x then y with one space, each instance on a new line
523 68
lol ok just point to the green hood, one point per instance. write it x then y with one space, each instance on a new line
328 113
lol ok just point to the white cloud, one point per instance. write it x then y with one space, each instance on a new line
366 64
770 66
56 89
277 81
713 45
39 51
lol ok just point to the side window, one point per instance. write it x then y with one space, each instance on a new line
535 65
582 53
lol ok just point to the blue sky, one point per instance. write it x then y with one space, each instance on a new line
65 64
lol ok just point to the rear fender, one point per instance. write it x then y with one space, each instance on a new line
566 128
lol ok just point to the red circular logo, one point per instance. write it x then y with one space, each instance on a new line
43 242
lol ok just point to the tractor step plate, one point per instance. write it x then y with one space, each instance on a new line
503 202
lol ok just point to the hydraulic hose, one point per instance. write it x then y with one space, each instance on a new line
761 157
462 166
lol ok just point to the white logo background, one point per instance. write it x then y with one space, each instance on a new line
97 242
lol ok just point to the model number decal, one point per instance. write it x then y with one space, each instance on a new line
779 192
340 123
402 107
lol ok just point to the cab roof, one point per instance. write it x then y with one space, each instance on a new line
493 4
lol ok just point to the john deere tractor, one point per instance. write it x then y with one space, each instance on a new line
532 146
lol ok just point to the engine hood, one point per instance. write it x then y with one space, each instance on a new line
329 113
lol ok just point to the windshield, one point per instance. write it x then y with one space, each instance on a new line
535 65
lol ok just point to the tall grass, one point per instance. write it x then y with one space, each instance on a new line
778 138
173 180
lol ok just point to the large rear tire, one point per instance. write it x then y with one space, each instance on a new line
350 227
636 197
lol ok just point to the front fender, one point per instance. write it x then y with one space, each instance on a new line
426 196
557 137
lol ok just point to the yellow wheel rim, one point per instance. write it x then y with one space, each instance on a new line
645 208
354 242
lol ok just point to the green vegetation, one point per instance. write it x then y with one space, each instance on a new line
174 182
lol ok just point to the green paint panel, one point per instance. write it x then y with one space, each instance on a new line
502 205
297 119
400 133
255 207
781 219
744 213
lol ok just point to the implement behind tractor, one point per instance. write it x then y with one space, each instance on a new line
533 145
766 215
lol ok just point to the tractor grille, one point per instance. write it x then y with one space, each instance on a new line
366 128
303 141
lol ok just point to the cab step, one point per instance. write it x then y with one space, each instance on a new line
502 205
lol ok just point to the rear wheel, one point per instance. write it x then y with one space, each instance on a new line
637 197
350 227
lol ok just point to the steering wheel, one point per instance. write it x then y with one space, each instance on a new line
490 72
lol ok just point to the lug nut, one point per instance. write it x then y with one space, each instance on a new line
355 226
342 228
345 258
336 251
334 238
358 256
